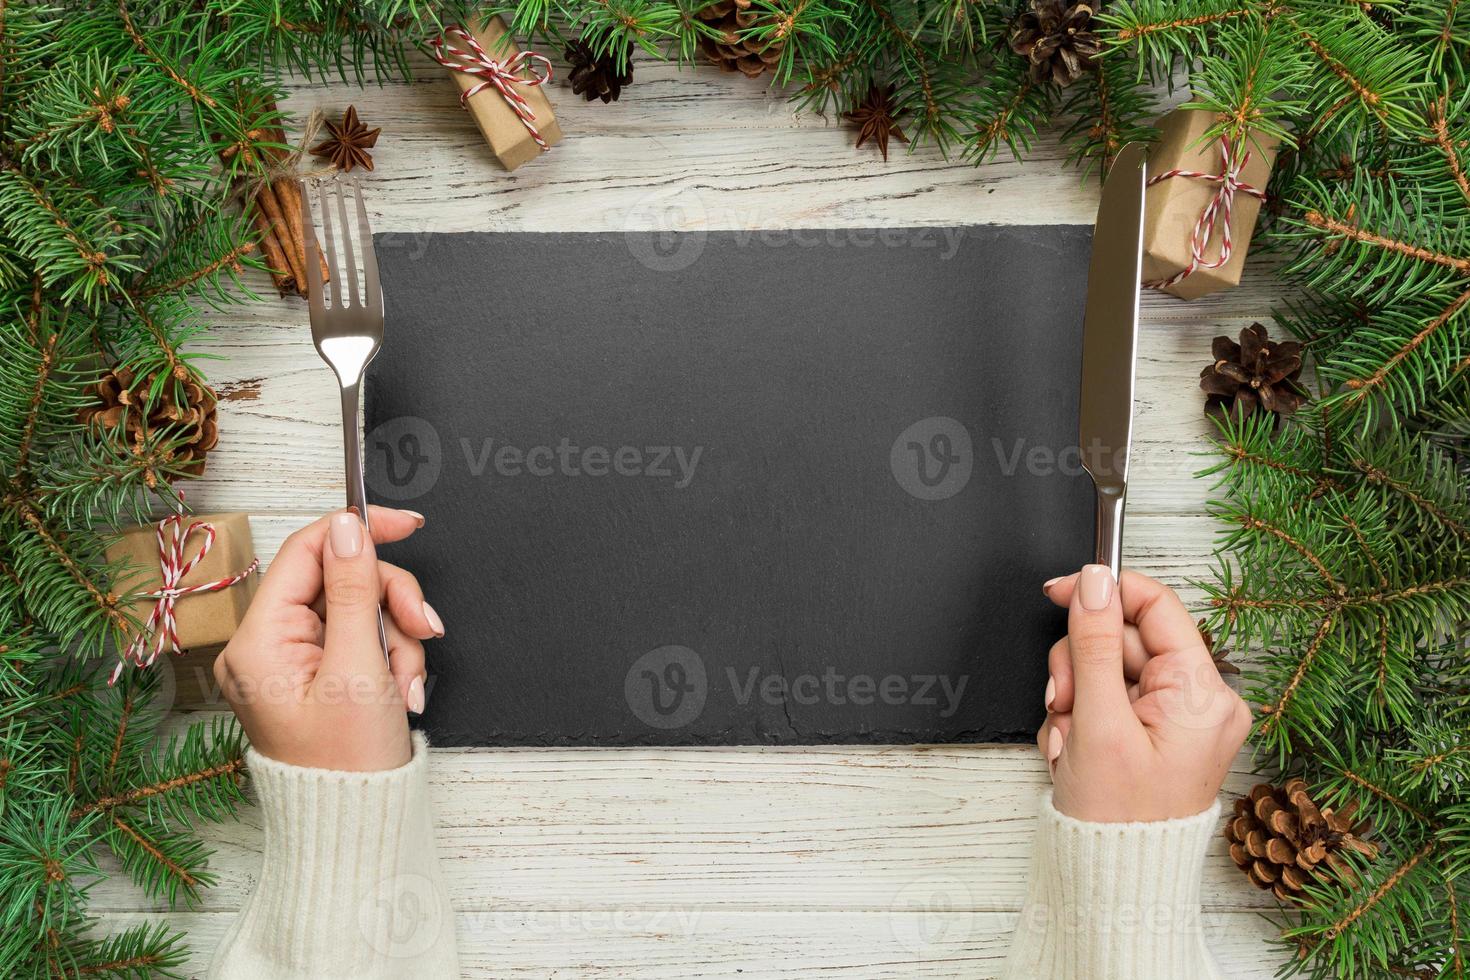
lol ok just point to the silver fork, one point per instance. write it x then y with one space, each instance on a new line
348 332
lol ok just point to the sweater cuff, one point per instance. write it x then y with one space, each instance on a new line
1114 900
350 884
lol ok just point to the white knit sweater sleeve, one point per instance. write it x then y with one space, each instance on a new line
350 883
1114 901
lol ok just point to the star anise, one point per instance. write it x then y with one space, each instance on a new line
348 145
874 118
1254 375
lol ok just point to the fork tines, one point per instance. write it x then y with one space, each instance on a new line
371 297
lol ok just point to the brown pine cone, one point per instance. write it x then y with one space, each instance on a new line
597 78
1057 38
1220 655
731 52
184 413
1282 840
1254 375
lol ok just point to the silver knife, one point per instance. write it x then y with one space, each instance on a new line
1109 346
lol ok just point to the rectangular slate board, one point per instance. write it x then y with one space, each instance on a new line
735 487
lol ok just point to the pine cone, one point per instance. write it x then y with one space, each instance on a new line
184 413
1282 840
732 52
1253 375
1057 38
598 78
1220 655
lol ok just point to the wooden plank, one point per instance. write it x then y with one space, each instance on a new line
908 942
839 828
699 148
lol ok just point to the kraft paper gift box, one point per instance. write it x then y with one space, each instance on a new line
203 619
509 139
1172 207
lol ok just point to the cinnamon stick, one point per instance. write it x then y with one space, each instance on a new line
274 256
275 210
289 193
266 201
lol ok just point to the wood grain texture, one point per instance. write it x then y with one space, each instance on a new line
817 829
681 944
873 863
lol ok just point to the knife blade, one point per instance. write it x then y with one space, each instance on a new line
1110 345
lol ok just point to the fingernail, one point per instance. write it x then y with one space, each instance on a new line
418 518
1095 585
345 533
1053 747
416 695
435 623
1046 586
1051 692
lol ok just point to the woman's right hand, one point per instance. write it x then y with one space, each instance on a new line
305 673
1139 726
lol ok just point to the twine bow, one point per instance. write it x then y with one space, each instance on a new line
161 626
284 164
1221 205
503 76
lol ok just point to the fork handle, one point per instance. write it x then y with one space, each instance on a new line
356 485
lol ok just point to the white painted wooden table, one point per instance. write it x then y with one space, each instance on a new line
894 862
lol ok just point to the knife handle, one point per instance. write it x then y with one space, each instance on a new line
1109 535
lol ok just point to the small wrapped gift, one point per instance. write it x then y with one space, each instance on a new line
1201 205
503 88
190 580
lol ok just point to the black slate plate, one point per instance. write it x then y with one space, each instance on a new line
735 487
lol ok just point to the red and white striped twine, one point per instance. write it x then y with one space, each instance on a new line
502 75
161 625
1221 206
